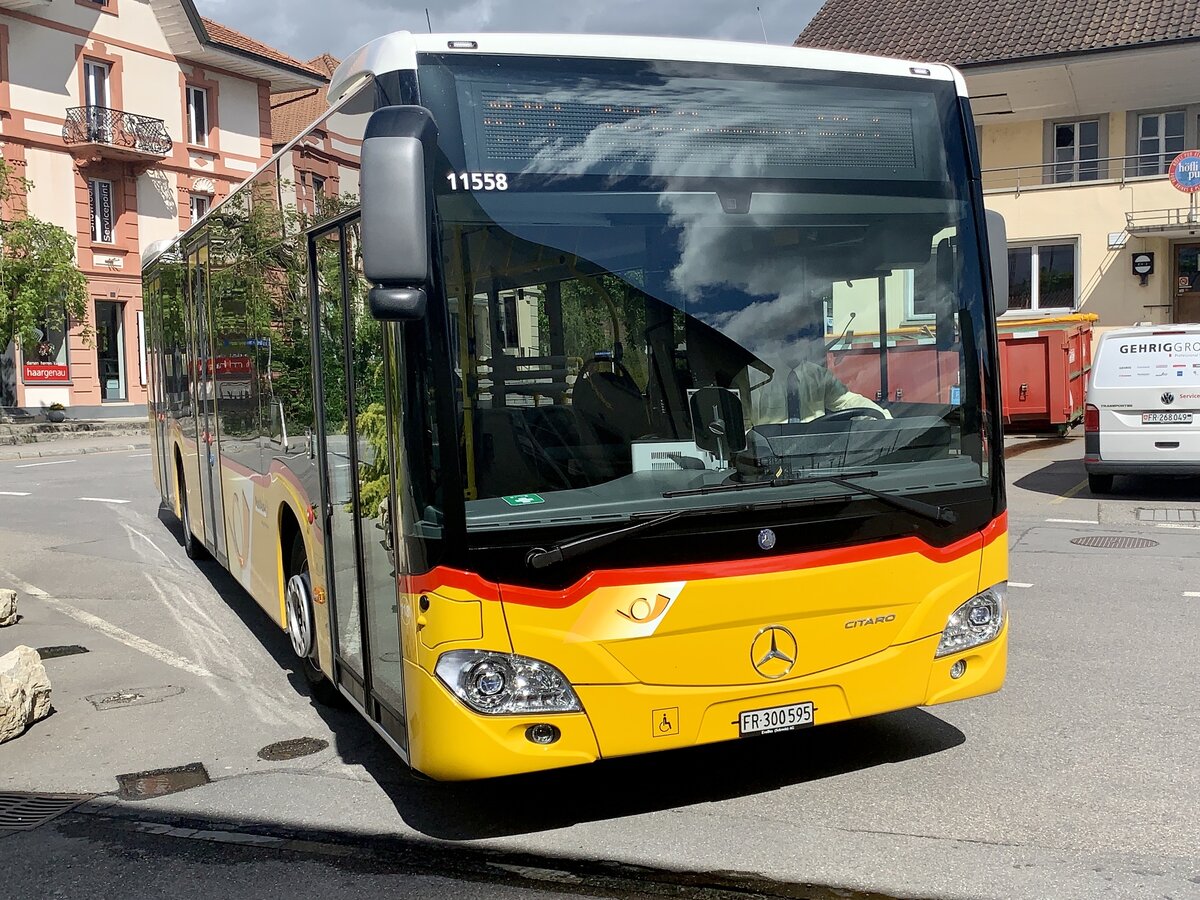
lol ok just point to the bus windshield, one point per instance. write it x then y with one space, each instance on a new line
666 277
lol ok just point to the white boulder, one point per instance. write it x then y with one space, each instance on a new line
24 691
8 607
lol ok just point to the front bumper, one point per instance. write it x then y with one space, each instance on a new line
449 742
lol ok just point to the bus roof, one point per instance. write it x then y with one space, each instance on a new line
399 51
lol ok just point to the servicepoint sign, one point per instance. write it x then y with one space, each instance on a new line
1185 171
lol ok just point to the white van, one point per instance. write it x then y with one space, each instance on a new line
1143 404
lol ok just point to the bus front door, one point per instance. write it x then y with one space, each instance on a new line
352 422
208 445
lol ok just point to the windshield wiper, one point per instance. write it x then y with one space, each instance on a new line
540 558
943 515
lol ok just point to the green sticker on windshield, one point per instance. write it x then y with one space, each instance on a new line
522 499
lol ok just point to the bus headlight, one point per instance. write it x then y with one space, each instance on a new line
505 684
976 622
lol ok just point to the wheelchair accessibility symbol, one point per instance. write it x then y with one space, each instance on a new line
665 721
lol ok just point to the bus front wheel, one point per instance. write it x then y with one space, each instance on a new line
298 602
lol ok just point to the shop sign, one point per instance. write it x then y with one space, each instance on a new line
39 372
1185 171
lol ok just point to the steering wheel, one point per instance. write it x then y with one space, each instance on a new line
857 412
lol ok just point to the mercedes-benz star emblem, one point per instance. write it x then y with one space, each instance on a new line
773 652
766 539
1167 398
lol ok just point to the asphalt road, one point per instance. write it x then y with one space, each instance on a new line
1079 779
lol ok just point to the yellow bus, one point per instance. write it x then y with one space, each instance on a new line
571 397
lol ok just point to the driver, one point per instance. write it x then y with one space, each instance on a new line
796 388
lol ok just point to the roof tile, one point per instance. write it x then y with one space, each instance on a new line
981 31
221 34
293 111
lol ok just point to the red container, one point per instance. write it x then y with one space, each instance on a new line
917 372
1044 365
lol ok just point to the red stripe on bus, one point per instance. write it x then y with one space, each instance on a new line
549 599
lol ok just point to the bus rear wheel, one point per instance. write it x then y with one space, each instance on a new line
298 603
192 547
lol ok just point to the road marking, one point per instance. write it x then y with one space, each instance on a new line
162 654
1075 521
1069 494
1020 584
14 493
139 455
101 500
57 462
1191 593
25 587
1177 525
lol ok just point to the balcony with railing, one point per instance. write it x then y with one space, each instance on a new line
114 134
1077 172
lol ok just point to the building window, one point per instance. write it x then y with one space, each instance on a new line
1160 140
96 99
199 204
197 115
100 199
1041 277
1076 151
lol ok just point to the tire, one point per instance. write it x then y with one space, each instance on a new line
1100 484
192 547
321 688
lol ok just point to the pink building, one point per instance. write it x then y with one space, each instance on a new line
130 119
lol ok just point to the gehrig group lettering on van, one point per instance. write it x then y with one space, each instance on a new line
1164 347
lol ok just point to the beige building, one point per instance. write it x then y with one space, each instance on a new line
130 118
1081 109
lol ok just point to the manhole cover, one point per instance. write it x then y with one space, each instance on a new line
23 812
160 782
1114 542
56 652
293 749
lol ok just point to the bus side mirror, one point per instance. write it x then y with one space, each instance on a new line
397 203
998 246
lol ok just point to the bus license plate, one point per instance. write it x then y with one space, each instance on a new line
1167 418
775 718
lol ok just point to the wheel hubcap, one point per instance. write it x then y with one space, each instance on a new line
299 616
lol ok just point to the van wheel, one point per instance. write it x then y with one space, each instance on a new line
1100 484
298 601
192 547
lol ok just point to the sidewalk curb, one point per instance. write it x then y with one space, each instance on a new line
69 451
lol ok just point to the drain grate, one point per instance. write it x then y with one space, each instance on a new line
293 749
24 812
64 650
1114 542
160 782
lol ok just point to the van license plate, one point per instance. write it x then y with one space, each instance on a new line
776 718
1167 418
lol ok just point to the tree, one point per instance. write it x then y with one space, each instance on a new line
40 283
